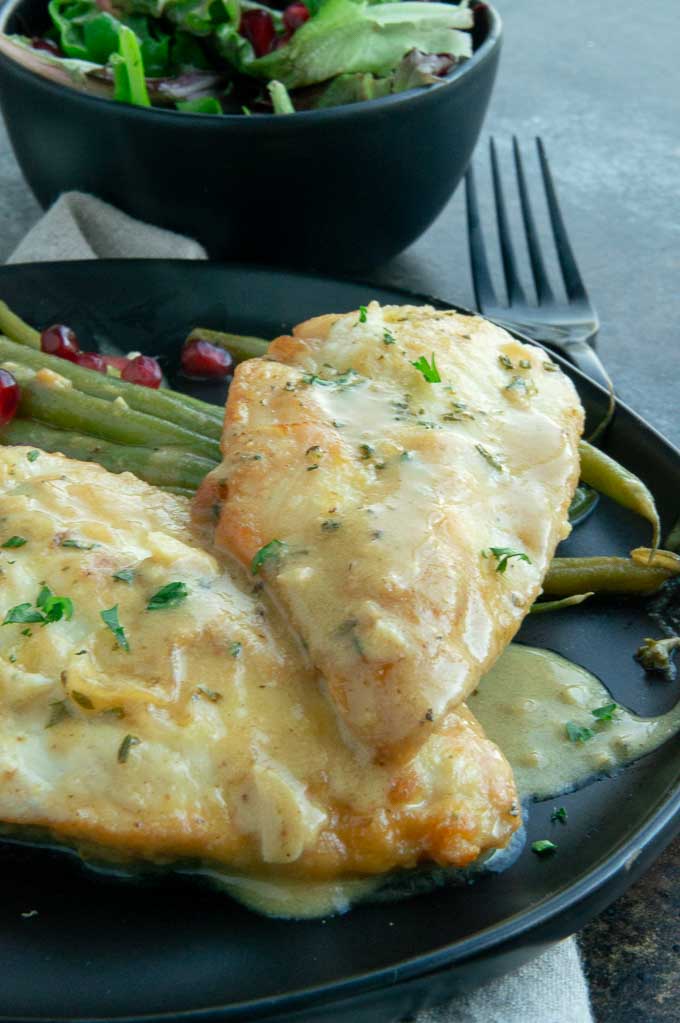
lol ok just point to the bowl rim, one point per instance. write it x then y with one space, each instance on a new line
275 121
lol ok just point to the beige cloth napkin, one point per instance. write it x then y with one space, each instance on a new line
550 989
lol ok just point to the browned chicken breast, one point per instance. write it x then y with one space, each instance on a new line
398 478
153 705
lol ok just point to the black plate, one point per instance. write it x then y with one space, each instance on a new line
176 951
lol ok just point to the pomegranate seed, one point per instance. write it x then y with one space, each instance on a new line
91 360
119 362
9 397
60 341
258 28
46 44
202 359
294 16
142 370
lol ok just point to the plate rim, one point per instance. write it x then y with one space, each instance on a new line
661 823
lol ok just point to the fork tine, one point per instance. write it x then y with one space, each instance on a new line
573 281
512 283
543 290
485 295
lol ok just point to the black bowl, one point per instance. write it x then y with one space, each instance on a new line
342 188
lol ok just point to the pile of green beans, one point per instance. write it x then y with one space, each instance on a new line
172 441
169 439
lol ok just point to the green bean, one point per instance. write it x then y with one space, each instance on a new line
568 576
556 605
239 346
584 502
657 556
66 408
193 415
16 329
611 479
170 468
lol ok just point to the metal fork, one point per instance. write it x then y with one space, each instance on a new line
570 326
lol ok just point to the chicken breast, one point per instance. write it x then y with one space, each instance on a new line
399 478
154 706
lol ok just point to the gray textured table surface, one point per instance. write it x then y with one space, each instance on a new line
600 82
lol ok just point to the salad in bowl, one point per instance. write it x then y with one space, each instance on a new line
242 57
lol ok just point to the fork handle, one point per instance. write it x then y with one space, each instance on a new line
588 361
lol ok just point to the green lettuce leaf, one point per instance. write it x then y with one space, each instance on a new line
281 101
350 36
128 71
202 105
416 69
87 33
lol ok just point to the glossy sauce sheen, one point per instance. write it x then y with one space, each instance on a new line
234 759
383 494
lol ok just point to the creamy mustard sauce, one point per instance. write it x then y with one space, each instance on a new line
526 702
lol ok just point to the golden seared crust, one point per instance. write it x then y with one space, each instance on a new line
385 493
209 737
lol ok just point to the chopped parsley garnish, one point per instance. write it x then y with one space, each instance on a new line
388 339
350 378
366 451
271 551
12 658
605 713
315 448
58 712
14 541
578 733
170 595
330 525
126 745
524 364
559 814
520 385
491 459
82 700
503 555
26 632
32 455
459 413
311 468
110 619
543 847
363 313
21 614
210 694
235 649
550 367
430 372
54 608
505 361
48 609
78 545
125 575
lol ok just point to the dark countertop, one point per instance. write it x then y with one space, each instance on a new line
601 84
